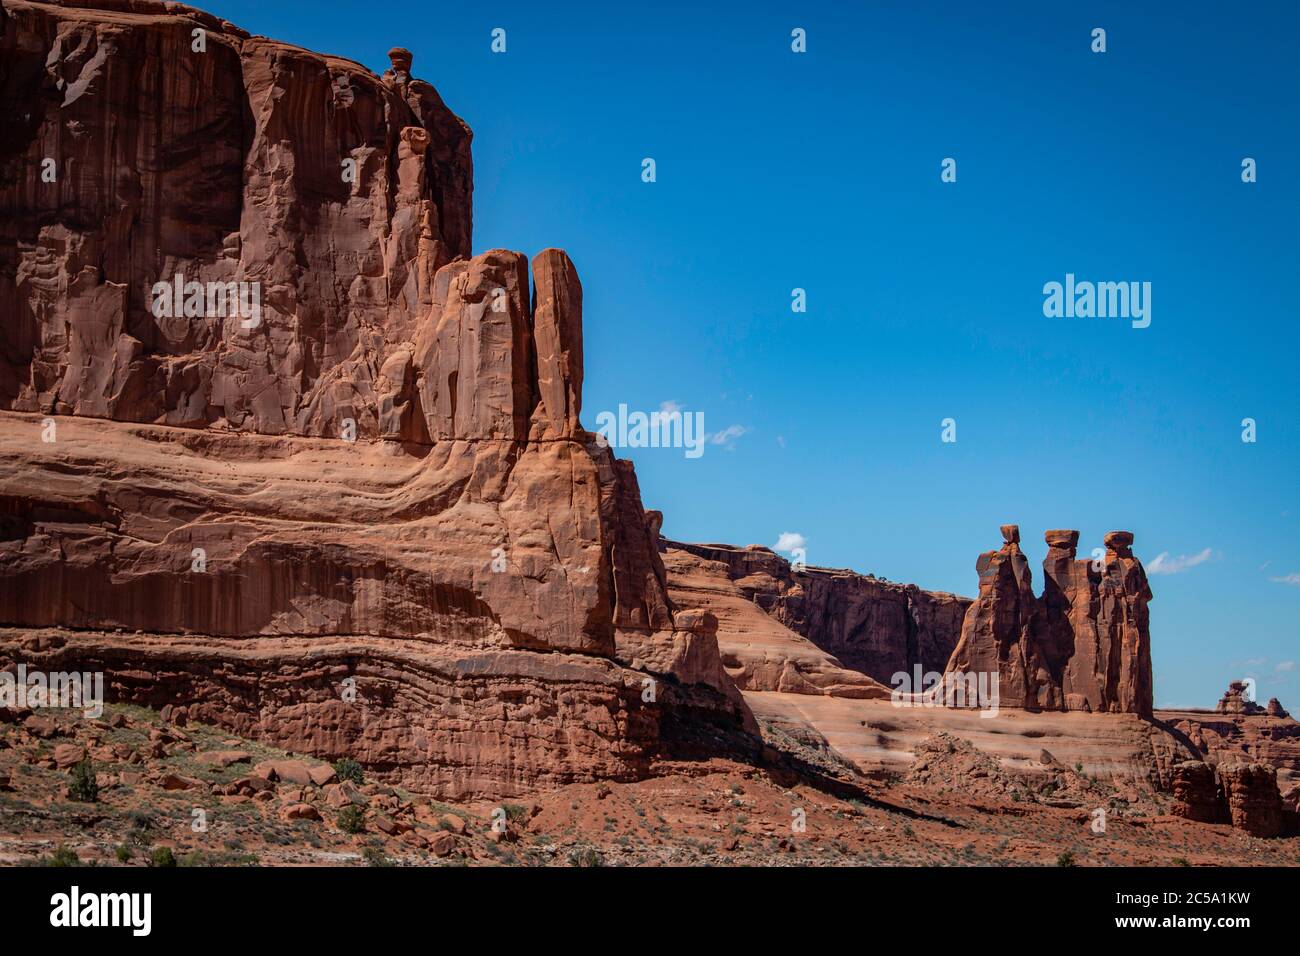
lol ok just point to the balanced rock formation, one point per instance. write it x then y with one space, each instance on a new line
1085 645
1236 700
1002 633
359 518
809 629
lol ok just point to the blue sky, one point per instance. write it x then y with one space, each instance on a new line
822 171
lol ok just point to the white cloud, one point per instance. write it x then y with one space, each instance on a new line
1163 564
1285 666
789 540
1292 579
727 436
669 407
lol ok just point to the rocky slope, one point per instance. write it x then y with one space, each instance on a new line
261 806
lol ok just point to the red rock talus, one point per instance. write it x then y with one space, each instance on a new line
1085 645
385 478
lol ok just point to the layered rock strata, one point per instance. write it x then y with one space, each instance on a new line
350 508
848 622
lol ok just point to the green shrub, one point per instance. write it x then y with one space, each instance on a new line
352 819
83 786
162 857
1065 859
61 856
375 857
585 856
348 769
123 853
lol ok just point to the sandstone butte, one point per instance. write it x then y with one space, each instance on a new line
369 523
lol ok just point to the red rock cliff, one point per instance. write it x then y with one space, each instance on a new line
874 627
384 478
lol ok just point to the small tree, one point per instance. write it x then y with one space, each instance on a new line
162 856
352 819
83 786
61 856
348 769
375 857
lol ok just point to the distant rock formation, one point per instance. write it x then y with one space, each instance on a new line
1251 794
1085 645
1242 793
1196 792
857 622
1235 701
1274 708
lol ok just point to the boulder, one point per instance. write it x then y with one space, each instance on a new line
66 755
223 758
441 844
284 771
299 811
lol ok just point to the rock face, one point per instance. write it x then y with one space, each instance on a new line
1275 708
758 651
1196 792
876 628
1242 793
369 523
1003 630
1254 803
1085 645
1224 738
129 158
